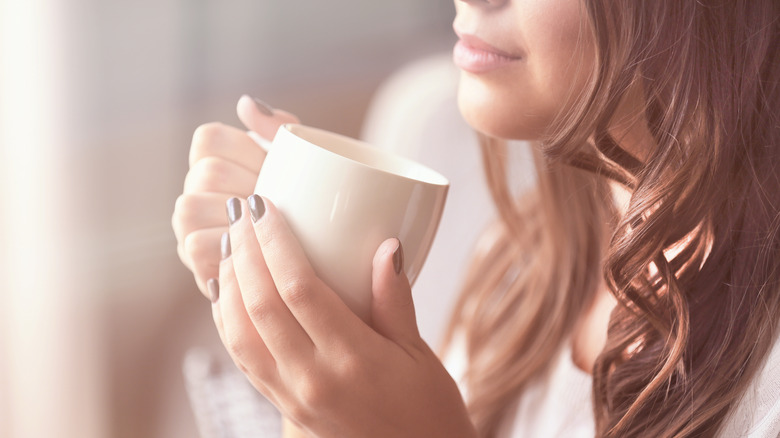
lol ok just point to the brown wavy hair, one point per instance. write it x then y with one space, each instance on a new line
692 326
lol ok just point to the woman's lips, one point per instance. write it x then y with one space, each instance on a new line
475 56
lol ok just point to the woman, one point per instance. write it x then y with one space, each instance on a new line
647 258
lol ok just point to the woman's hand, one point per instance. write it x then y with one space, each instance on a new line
224 162
321 365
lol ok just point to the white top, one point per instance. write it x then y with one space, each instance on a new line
558 404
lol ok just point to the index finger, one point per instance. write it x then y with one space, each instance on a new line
318 309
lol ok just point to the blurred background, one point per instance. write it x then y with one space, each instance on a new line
99 100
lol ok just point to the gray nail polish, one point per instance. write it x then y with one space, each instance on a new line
263 107
213 287
233 210
398 258
225 245
256 207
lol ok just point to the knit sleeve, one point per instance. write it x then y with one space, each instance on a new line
224 403
758 413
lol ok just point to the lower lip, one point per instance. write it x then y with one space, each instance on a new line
475 60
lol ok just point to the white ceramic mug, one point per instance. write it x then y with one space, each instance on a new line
342 198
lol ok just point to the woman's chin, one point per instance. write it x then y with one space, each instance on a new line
499 118
482 121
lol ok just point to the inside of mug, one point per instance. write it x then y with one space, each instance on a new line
364 153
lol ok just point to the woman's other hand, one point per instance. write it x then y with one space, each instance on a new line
323 367
224 162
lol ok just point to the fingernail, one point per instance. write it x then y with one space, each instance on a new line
256 207
233 210
225 245
398 258
263 107
213 286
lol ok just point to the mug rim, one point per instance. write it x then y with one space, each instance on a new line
428 175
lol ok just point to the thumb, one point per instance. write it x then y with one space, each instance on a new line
257 116
392 308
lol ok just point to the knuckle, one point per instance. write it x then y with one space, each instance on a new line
193 212
208 174
183 212
176 219
295 291
204 140
194 245
179 206
183 256
349 367
314 393
258 309
200 247
235 343
208 132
